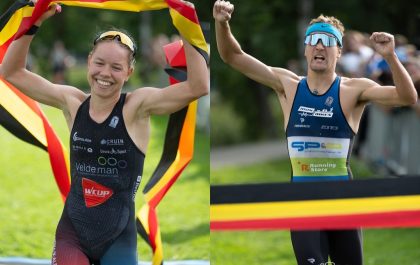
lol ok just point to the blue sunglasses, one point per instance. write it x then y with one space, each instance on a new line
326 40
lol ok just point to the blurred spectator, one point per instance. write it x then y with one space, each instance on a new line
60 60
295 66
401 48
413 68
153 60
157 56
378 69
355 54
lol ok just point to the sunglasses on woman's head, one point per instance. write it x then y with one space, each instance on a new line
120 36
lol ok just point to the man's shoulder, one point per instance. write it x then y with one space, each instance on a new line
288 79
356 83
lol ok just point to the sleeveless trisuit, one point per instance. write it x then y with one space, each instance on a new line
98 221
319 143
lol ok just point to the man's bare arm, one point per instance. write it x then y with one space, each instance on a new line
404 92
231 53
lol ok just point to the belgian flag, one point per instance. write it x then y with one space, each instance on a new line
317 205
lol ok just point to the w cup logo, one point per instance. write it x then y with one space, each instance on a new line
95 193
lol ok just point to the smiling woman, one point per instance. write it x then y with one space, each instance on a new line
109 139
110 65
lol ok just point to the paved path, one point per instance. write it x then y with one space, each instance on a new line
28 261
247 154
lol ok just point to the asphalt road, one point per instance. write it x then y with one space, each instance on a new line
246 154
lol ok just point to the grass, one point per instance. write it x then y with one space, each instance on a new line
274 171
30 205
381 246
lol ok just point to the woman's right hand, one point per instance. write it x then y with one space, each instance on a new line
52 10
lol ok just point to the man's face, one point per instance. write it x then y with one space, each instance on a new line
108 68
320 57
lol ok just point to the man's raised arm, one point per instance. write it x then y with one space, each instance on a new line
231 53
404 92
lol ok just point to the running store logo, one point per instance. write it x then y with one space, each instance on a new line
94 193
323 167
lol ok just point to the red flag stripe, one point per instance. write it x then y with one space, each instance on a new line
56 150
3 48
25 23
393 219
158 197
184 10
58 161
153 227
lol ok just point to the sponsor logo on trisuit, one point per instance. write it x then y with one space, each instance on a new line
302 145
311 112
112 142
329 101
76 138
95 193
319 167
114 122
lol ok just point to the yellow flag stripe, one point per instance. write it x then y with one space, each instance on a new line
22 112
315 208
13 24
134 6
158 253
186 141
190 30
143 215
184 153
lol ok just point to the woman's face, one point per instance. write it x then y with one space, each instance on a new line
108 68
